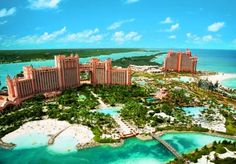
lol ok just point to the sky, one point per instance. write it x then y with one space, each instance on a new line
50 24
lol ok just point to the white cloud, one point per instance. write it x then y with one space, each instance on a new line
86 36
32 39
216 26
120 37
118 24
172 37
43 4
198 39
131 1
4 12
173 28
207 38
3 22
167 21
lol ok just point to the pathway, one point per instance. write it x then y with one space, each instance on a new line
102 104
125 129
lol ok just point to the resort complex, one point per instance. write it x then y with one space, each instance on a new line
164 112
66 74
180 62
117 82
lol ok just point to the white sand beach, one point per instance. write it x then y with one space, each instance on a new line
82 134
219 77
50 127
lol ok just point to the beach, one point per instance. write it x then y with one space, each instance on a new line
51 128
219 77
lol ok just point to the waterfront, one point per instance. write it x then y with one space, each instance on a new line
133 150
208 60
14 68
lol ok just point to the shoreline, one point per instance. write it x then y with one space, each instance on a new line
86 142
219 76
215 134
49 128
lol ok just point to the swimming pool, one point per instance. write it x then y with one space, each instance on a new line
112 111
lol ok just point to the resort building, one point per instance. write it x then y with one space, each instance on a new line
180 62
66 74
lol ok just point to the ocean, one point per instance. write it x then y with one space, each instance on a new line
223 61
208 60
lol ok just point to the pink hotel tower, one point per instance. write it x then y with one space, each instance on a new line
180 62
65 74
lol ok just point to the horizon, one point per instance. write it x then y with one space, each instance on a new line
63 24
167 49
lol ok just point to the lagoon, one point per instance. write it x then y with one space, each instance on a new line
187 142
133 150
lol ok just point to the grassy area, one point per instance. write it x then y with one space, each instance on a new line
137 60
8 56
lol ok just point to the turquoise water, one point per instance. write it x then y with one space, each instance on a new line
209 60
150 99
63 145
142 83
218 61
183 79
111 111
213 60
138 81
195 111
33 140
132 151
14 68
231 83
160 59
187 142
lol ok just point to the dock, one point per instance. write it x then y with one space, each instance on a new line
5 145
167 146
53 137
